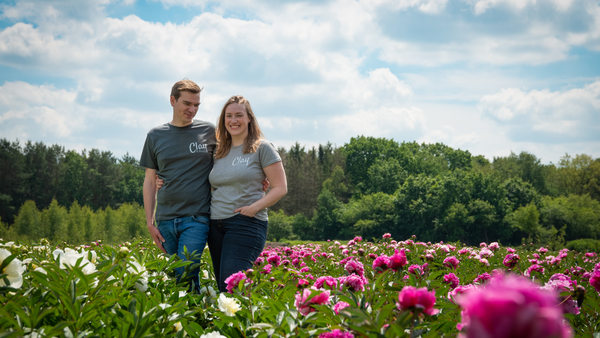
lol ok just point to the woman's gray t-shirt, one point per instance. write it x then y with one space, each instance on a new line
237 179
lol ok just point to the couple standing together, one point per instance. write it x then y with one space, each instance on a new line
213 183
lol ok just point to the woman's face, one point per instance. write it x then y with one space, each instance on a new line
236 121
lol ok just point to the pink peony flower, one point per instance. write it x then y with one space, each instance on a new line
595 279
325 282
417 300
259 261
372 256
302 283
484 277
511 260
534 267
387 235
542 250
452 279
463 251
266 269
382 262
563 283
397 260
459 290
303 303
234 280
511 307
355 282
339 305
494 246
511 250
336 333
357 239
274 259
451 262
415 269
355 267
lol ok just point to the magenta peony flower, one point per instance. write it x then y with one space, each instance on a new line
234 280
339 305
534 267
274 259
417 300
303 303
415 269
336 333
452 279
595 279
451 262
563 283
511 260
459 290
484 277
259 261
325 282
302 283
511 307
397 260
266 269
387 235
382 262
355 267
357 239
355 282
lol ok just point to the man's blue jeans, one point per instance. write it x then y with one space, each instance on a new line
190 232
235 243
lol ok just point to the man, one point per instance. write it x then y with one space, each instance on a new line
181 153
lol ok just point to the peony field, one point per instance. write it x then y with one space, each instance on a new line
358 288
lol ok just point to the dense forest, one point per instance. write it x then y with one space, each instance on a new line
367 187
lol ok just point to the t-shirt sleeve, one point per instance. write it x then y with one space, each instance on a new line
148 158
268 154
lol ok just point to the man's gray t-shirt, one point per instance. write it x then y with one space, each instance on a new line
183 158
237 179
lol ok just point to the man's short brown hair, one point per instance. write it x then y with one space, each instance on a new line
184 85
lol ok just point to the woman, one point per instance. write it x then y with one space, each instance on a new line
238 220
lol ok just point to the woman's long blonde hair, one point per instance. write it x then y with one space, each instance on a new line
224 139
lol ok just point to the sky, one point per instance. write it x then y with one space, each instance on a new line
488 76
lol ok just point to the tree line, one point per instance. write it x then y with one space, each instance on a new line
367 187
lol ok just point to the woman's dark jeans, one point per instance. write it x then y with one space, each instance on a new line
234 244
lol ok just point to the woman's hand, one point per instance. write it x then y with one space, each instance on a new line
248 210
159 182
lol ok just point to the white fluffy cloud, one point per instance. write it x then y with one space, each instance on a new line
568 115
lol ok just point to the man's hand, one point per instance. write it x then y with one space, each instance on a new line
265 183
160 182
157 237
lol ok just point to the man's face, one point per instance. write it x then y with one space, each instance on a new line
185 108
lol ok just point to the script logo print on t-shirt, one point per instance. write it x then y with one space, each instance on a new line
240 160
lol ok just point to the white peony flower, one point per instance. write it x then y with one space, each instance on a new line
213 334
14 270
70 258
40 269
211 292
136 268
228 305
178 326
205 274
164 305
124 249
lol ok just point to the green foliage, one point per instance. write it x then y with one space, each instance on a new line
584 245
527 219
280 226
579 213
